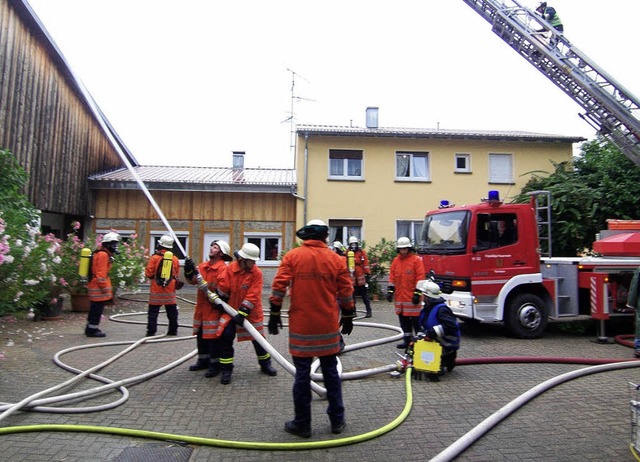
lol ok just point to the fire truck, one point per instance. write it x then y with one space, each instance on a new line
487 259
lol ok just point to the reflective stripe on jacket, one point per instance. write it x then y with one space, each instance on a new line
99 286
319 285
206 316
404 274
244 288
159 295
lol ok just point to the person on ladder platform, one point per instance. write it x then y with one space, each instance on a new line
550 15
99 286
405 272
206 318
241 285
163 269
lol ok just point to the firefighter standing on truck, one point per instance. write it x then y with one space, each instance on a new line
241 285
405 272
99 286
207 323
163 269
360 273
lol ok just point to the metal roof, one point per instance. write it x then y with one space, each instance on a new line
199 179
391 132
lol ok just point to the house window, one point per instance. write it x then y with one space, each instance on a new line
345 164
462 163
269 245
500 168
341 230
183 238
409 228
413 166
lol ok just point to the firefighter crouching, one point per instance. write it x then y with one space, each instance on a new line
437 322
99 287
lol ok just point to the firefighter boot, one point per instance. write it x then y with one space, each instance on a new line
93 332
225 378
200 364
405 342
267 368
214 369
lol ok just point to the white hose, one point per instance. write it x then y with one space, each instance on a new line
487 424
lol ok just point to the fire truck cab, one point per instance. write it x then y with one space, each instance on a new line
486 257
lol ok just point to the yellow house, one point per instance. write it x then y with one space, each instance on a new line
376 182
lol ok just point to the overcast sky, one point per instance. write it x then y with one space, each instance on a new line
187 83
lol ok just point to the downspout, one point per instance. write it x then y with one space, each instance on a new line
306 177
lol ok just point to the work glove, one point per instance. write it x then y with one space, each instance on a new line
190 269
416 297
390 291
243 312
274 319
346 321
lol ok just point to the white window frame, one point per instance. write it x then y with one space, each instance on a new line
412 175
262 236
500 168
415 227
467 162
183 237
356 227
345 166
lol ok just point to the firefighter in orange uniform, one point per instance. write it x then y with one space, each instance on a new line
99 286
361 274
315 277
405 272
241 285
163 290
206 318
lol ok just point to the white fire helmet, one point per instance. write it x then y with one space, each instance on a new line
166 241
224 248
111 237
404 243
429 288
337 245
353 240
250 251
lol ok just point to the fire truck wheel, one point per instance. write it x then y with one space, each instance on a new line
526 316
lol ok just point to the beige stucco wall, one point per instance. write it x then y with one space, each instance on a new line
380 200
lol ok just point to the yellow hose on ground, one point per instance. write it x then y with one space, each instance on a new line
253 445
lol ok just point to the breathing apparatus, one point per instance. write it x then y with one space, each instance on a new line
166 271
351 260
85 262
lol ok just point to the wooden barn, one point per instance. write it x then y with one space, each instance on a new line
50 122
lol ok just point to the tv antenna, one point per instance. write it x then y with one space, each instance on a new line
294 98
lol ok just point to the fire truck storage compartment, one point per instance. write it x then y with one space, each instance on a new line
564 273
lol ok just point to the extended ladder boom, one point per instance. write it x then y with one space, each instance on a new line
609 107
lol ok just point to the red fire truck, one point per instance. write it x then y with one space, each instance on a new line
487 259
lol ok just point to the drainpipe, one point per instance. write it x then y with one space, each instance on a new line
306 177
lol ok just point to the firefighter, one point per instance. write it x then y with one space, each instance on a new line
437 322
241 285
163 286
99 286
206 318
405 272
550 15
633 302
315 277
361 274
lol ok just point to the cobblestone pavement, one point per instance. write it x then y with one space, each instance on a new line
584 419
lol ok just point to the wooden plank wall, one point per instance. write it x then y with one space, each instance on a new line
44 120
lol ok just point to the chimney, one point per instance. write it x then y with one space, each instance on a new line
238 160
372 117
